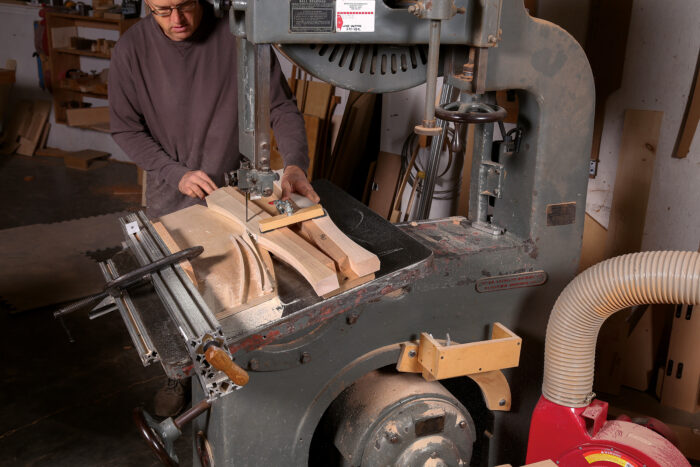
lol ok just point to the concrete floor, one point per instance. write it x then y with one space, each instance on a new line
69 404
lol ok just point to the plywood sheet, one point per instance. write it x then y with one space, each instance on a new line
386 178
640 138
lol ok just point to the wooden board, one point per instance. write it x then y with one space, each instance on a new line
386 179
691 118
231 274
283 220
174 248
635 168
282 243
83 159
594 243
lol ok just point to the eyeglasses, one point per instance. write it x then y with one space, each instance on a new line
167 11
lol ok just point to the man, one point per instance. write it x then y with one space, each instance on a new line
174 106
174 111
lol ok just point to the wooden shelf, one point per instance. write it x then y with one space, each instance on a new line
85 53
65 58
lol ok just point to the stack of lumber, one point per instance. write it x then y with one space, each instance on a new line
235 272
26 130
316 101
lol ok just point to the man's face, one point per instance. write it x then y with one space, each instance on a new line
181 22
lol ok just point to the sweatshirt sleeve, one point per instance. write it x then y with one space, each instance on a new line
287 122
128 126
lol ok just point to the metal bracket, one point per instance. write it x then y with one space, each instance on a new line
492 175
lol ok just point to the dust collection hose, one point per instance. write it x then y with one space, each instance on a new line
640 278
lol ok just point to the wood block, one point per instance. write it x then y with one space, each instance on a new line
640 138
83 159
282 242
96 118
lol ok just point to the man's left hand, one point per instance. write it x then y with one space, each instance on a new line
294 181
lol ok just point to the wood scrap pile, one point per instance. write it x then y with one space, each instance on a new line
27 128
235 272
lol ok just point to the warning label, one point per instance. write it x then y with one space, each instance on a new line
311 15
355 16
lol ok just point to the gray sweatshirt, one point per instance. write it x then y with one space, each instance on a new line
174 108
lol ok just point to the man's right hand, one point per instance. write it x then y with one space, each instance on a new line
196 184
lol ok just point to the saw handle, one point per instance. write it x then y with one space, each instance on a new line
220 360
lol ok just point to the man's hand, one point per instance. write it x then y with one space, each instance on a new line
294 181
196 184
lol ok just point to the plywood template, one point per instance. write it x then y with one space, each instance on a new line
635 168
231 273
283 243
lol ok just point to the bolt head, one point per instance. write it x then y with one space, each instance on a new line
462 424
502 402
411 353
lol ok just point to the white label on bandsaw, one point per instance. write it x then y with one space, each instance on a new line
354 15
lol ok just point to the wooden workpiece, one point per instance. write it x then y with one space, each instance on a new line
283 243
232 274
284 220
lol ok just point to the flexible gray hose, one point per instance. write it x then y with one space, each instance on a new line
618 283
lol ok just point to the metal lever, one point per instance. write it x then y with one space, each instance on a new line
115 287
161 436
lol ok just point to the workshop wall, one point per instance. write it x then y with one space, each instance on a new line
660 61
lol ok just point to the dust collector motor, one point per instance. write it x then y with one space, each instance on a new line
387 418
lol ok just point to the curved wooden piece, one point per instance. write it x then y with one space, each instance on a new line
283 243
495 389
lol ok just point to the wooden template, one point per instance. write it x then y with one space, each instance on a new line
283 243
635 168
231 274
